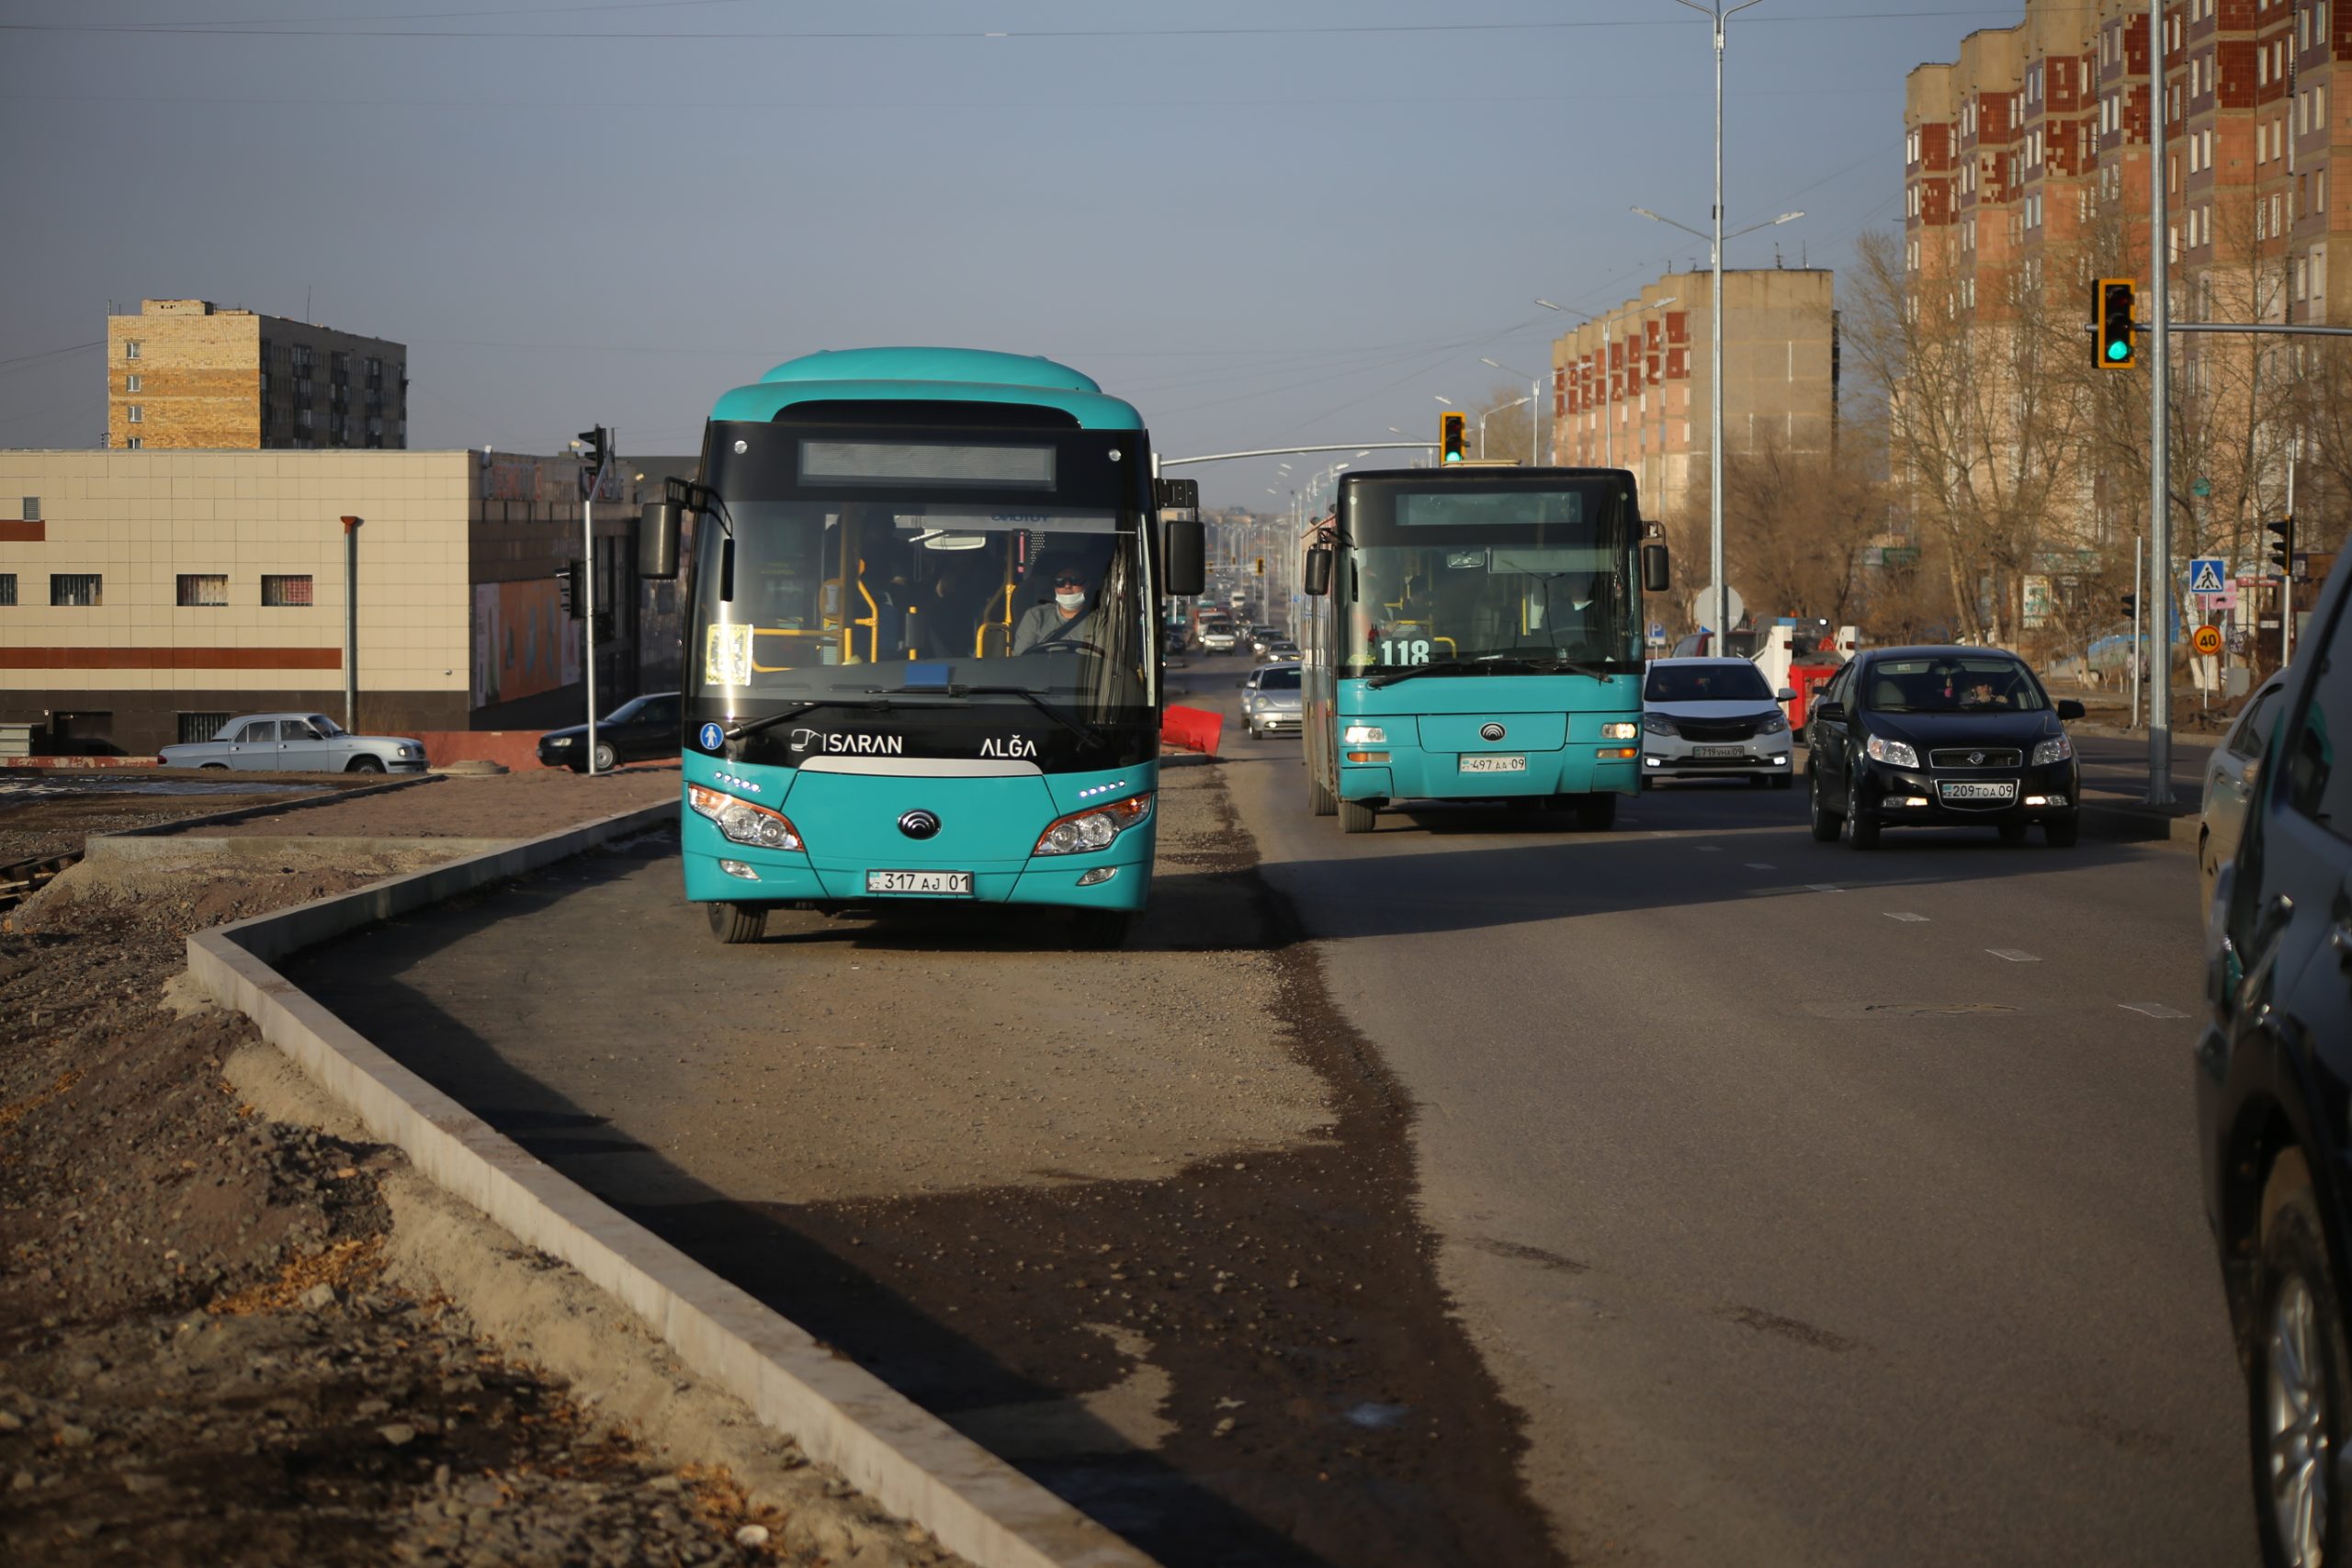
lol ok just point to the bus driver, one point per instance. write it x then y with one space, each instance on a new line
1065 619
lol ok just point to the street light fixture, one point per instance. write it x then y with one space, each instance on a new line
1534 412
1490 413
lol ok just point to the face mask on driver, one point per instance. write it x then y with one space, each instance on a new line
1070 598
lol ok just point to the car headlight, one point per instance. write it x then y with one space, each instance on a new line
411 751
1659 724
559 741
1624 732
1363 734
1096 828
1894 753
743 822
2056 751
1774 722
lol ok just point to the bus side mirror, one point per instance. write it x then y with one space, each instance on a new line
1318 572
657 540
1655 576
1187 558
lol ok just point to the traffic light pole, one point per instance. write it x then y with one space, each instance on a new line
2159 427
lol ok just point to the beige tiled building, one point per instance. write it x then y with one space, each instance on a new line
1633 388
145 596
190 375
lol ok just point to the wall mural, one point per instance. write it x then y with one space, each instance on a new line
524 643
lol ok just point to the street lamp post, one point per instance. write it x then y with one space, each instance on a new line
1535 453
1722 606
1490 413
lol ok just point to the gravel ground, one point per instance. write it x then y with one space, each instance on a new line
490 807
41 815
204 1358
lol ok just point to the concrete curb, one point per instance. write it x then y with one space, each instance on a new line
908 1461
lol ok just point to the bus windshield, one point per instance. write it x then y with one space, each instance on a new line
1513 572
828 595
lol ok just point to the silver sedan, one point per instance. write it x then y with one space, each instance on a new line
296 743
1270 701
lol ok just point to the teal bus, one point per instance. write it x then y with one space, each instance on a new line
1474 633
921 618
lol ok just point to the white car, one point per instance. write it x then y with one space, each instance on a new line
1270 701
1709 718
1218 639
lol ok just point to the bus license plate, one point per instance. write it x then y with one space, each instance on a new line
1979 791
1494 764
1717 752
945 883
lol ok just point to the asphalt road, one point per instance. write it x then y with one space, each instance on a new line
1817 1206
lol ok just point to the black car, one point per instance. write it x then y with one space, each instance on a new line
1940 737
641 730
2272 1066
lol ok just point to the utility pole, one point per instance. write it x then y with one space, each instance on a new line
2159 424
351 625
595 458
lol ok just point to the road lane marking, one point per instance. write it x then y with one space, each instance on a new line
1708 849
1824 887
2152 1009
2015 956
1903 915
1761 866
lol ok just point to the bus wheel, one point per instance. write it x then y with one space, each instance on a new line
1319 799
1597 813
1355 817
1099 930
733 923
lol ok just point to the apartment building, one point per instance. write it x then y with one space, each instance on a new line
147 596
1631 389
2027 170
187 375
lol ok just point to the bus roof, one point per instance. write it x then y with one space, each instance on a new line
941 375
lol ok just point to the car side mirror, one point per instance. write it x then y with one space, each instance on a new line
1785 695
657 540
1318 573
1655 575
1187 552
1831 713
2069 708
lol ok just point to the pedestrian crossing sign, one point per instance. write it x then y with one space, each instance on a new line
2205 575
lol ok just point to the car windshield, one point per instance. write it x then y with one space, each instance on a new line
1281 680
324 724
1705 683
1952 685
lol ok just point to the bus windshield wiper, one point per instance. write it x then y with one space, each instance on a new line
1450 667
759 725
1085 731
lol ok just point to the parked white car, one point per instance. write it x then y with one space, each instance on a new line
296 743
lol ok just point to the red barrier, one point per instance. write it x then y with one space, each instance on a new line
1195 729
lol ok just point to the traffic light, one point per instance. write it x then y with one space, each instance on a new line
2111 301
2282 545
573 581
593 453
2130 605
1452 437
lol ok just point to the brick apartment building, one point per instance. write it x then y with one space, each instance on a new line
189 375
1631 389
2027 168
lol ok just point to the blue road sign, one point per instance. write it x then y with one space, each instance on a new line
2207 574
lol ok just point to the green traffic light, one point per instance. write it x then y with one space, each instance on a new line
2119 351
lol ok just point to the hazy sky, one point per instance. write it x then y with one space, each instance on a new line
1265 223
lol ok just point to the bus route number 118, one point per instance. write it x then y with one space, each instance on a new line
1403 650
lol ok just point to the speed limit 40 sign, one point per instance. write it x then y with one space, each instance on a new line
2206 640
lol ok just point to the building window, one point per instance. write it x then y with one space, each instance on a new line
134 413
203 589
131 348
32 509
77 589
130 384
286 592
200 727
134 444
7 589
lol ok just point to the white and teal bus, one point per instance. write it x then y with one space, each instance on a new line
922 646
1474 633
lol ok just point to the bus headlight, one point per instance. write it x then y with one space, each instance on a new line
1363 734
743 823
1096 828
1626 731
